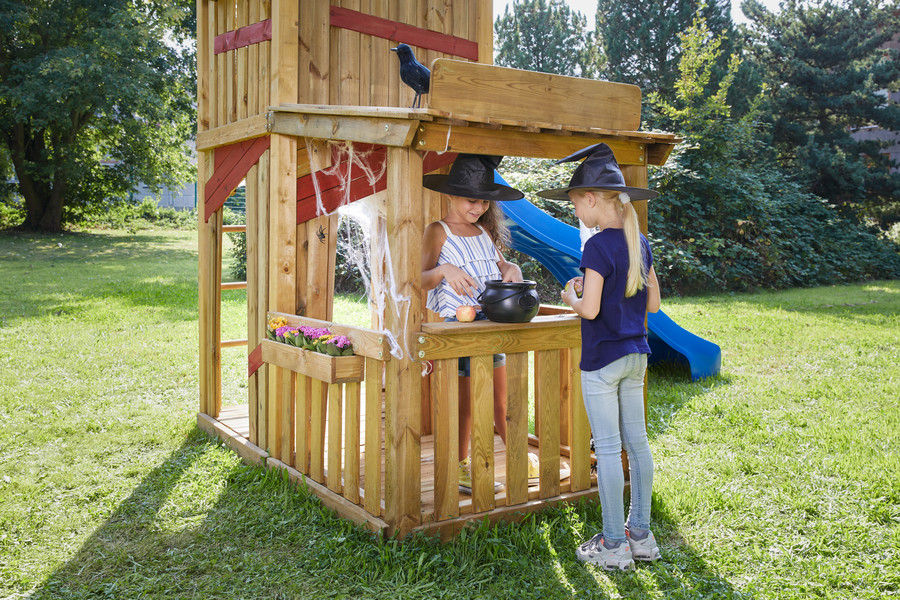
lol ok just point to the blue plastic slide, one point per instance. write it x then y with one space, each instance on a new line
558 247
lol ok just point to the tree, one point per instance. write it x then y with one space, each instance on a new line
545 36
640 38
727 217
94 97
827 72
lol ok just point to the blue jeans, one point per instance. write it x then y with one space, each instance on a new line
614 400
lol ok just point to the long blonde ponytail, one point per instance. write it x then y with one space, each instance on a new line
637 267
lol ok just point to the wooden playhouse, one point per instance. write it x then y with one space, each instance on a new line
302 100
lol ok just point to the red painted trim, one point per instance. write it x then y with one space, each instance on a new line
400 32
307 208
434 161
254 361
245 36
231 171
326 181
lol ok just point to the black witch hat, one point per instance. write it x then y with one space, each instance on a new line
472 176
598 171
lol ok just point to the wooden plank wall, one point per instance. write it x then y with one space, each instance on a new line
308 61
343 67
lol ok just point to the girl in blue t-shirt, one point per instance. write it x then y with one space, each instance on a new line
619 286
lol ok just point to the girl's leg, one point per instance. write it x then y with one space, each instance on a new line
500 401
634 437
600 390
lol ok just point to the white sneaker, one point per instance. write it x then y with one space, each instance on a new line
646 549
593 551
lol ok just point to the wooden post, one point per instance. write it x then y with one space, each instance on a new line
283 86
403 393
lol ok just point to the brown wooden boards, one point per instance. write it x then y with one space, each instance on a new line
478 89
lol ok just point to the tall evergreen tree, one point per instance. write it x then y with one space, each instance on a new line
546 36
640 38
827 72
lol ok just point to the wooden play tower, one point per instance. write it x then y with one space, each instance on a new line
287 91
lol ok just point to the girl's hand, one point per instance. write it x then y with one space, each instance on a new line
510 272
568 294
459 280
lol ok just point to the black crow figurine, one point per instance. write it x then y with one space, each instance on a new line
413 73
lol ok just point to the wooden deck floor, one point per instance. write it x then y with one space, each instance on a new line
236 418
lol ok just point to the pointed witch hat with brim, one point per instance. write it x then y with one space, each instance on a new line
599 171
472 176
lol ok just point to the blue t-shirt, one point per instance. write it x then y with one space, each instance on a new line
618 330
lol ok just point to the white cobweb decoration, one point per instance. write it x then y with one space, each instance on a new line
362 236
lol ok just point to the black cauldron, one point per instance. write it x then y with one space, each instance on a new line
509 302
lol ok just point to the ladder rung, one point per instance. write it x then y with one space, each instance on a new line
234 228
233 343
234 285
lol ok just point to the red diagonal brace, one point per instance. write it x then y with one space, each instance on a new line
254 361
230 170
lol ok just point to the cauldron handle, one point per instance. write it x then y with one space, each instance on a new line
498 299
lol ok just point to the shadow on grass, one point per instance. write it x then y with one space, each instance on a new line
58 275
257 535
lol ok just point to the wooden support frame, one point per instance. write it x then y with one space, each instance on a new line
270 72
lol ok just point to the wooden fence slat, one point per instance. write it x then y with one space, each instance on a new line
319 399
446 438
580 441
301 422
351 441
242 63
335 438
546 369
482 407
516 428
255 325
261 267
373 436
219 101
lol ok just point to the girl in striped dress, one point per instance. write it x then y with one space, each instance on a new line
459 254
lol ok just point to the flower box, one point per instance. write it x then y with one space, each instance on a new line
324 367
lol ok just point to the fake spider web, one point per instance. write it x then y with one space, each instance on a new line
362 232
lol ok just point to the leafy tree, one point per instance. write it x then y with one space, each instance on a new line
546 36
94 97
728 218
827 74
640 38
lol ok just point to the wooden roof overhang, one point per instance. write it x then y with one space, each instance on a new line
428 129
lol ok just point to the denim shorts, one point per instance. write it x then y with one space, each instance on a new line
465 369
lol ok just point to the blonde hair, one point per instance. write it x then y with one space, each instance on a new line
637 265
493 222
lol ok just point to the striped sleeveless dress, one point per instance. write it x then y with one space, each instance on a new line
476 255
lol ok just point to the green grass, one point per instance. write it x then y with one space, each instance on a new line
778 479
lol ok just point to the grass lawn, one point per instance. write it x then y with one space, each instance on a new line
778 479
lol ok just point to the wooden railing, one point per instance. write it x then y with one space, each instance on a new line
552 343
334 432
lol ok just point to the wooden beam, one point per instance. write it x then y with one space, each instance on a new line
232 133
405 228
384 131
456 342
440 137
